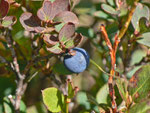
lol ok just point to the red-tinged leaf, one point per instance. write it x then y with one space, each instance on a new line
56 49
31 22
4 7
9 21
66 17
75 41
50 40
67 31
50 9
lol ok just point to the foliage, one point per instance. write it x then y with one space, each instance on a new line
35 37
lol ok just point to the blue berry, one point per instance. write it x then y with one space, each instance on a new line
77 63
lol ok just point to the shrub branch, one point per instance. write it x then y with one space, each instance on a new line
113 50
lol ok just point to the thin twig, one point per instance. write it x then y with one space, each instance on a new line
126 25
20 86
13 53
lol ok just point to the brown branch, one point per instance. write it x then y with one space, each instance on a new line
113 51
20 86
116 42
126 25
7 63
13 53
104 33
112 72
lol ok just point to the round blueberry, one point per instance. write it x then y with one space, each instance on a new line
77 63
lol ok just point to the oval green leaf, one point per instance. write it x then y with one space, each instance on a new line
141 11
145 39
139 85
53 99
109 9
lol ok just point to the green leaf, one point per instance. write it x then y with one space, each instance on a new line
83 100
53 99
55 49
130 2
92 99
71 91
61 69
91 33
63 39
102 96
145 40
103 15
8 107
142 107
59 26
9 21
122 87
143 25
141 53
69 43
111 2
73 41
109 9
112 29
22 107
88 32
6 87
140 12
139 86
